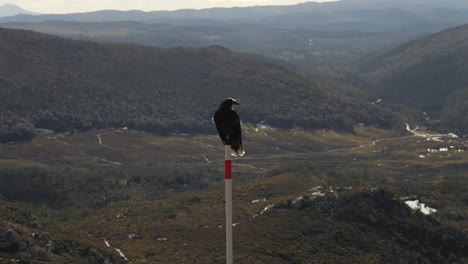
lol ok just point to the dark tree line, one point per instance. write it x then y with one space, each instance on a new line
67 85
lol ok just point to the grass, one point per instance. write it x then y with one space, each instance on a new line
169 192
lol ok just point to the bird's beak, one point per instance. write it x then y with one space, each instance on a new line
235 102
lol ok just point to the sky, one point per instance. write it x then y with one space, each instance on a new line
72 6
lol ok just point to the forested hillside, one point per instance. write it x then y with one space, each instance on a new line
429 74
68 85
304 45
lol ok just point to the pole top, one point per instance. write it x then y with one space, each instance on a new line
227 152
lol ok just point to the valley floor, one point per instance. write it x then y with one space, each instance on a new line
299 197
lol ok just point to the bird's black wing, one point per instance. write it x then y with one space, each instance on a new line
237 129
218 120
237 135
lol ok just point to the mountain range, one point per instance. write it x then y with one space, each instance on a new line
309 34
8 10
424 8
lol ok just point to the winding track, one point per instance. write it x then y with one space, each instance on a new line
249 159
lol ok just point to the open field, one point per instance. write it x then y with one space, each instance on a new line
160 199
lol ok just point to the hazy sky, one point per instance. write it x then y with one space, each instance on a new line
70 6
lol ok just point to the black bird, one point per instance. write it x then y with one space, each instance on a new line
228 125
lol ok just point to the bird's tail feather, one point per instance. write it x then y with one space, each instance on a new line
236 147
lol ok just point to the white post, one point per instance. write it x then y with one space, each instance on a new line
228 188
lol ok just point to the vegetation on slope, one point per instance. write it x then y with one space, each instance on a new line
428 74
161 200
68 85
306 46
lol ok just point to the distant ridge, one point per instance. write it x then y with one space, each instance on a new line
7 10
333 9
308 34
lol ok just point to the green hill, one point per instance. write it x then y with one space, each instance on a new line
68 85
428 74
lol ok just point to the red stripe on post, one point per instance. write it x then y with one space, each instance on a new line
228 169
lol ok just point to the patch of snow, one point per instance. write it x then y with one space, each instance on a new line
422 156
318 193
258 200
434 137
121 254
267 208
106 242
264 126
162 239
416 205
315 189
297 202
426 117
